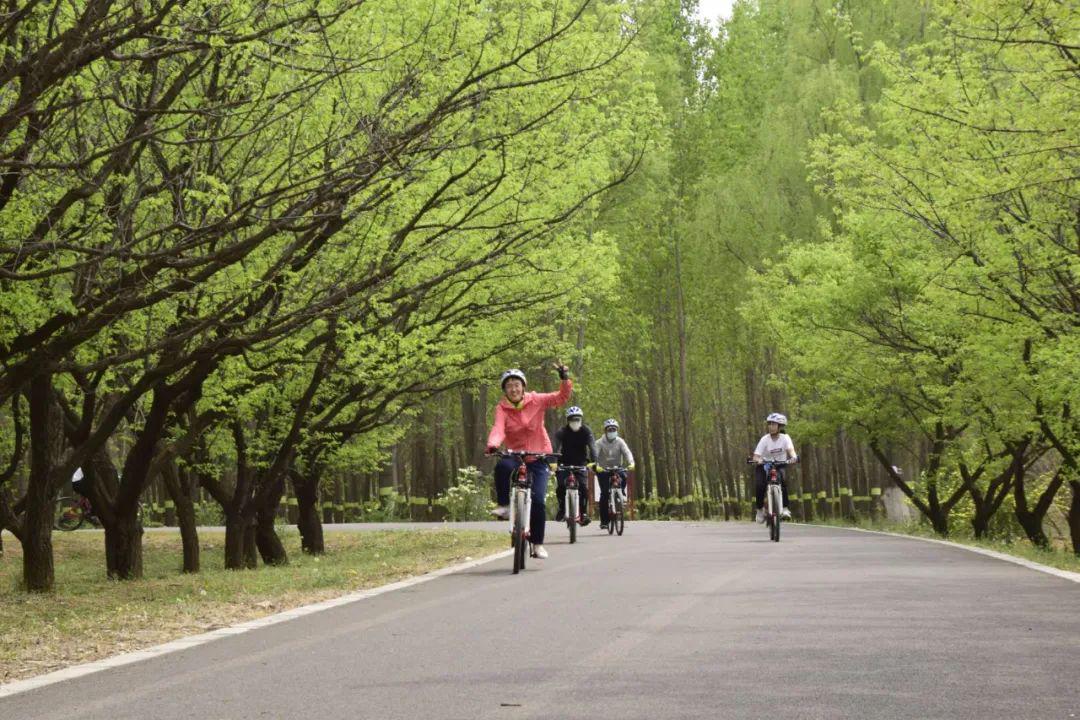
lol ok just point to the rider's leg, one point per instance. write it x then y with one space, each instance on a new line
605 487
504 470
783 489
759 493
560 492
759 486
539 471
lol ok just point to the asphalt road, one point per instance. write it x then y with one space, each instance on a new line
672 620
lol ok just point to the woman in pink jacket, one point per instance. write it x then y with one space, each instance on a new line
519 425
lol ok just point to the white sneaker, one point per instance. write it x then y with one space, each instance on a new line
760 518
540 552
502 512
786 514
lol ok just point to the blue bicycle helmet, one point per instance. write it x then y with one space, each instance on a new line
574 411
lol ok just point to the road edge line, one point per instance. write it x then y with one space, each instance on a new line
1029 564
18 687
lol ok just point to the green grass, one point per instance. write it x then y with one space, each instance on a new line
1058 557
89 616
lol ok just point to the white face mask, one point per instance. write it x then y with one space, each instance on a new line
575 425
611 434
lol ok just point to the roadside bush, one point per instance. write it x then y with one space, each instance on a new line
469 498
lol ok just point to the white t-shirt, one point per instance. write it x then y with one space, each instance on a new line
770 449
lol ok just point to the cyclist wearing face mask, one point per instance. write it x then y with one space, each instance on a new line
611 451
578 447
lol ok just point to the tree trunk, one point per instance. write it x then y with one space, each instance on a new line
685 424
1074 516
1031 518
980 521
45 448
1030 521
37 550
240 551
308 522
181 491
123 547
939 518
656 430
267 541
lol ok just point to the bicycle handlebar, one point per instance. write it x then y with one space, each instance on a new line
775 463
523 454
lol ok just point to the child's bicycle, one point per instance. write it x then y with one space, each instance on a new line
521 503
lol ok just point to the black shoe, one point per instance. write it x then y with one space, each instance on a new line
560 516
603 526
585 520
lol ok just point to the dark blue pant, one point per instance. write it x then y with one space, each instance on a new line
538 469
583 490
605 489
761 483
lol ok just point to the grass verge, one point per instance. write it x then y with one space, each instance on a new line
89 617
1059 558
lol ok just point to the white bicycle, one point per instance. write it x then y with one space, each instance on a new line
573 497
521 504
616 500
774 496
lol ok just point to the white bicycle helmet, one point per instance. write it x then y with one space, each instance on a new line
513 373
777 418
611 422
574 411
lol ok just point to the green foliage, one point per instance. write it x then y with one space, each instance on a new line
469 498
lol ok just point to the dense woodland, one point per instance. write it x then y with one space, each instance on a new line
268 259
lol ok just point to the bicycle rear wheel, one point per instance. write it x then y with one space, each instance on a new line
611 520
69 514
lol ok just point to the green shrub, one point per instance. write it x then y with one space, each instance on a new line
469 498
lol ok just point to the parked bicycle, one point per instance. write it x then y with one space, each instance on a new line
521 503
573 497
616 500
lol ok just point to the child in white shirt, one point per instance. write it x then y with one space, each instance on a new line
773 445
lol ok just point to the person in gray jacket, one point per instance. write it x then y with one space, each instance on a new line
611 451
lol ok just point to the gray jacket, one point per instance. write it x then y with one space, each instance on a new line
611 453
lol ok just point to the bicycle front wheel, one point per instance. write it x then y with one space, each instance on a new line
774 531
620 518
518 539
572 514
69 514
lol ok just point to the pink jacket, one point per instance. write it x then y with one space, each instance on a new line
522 427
